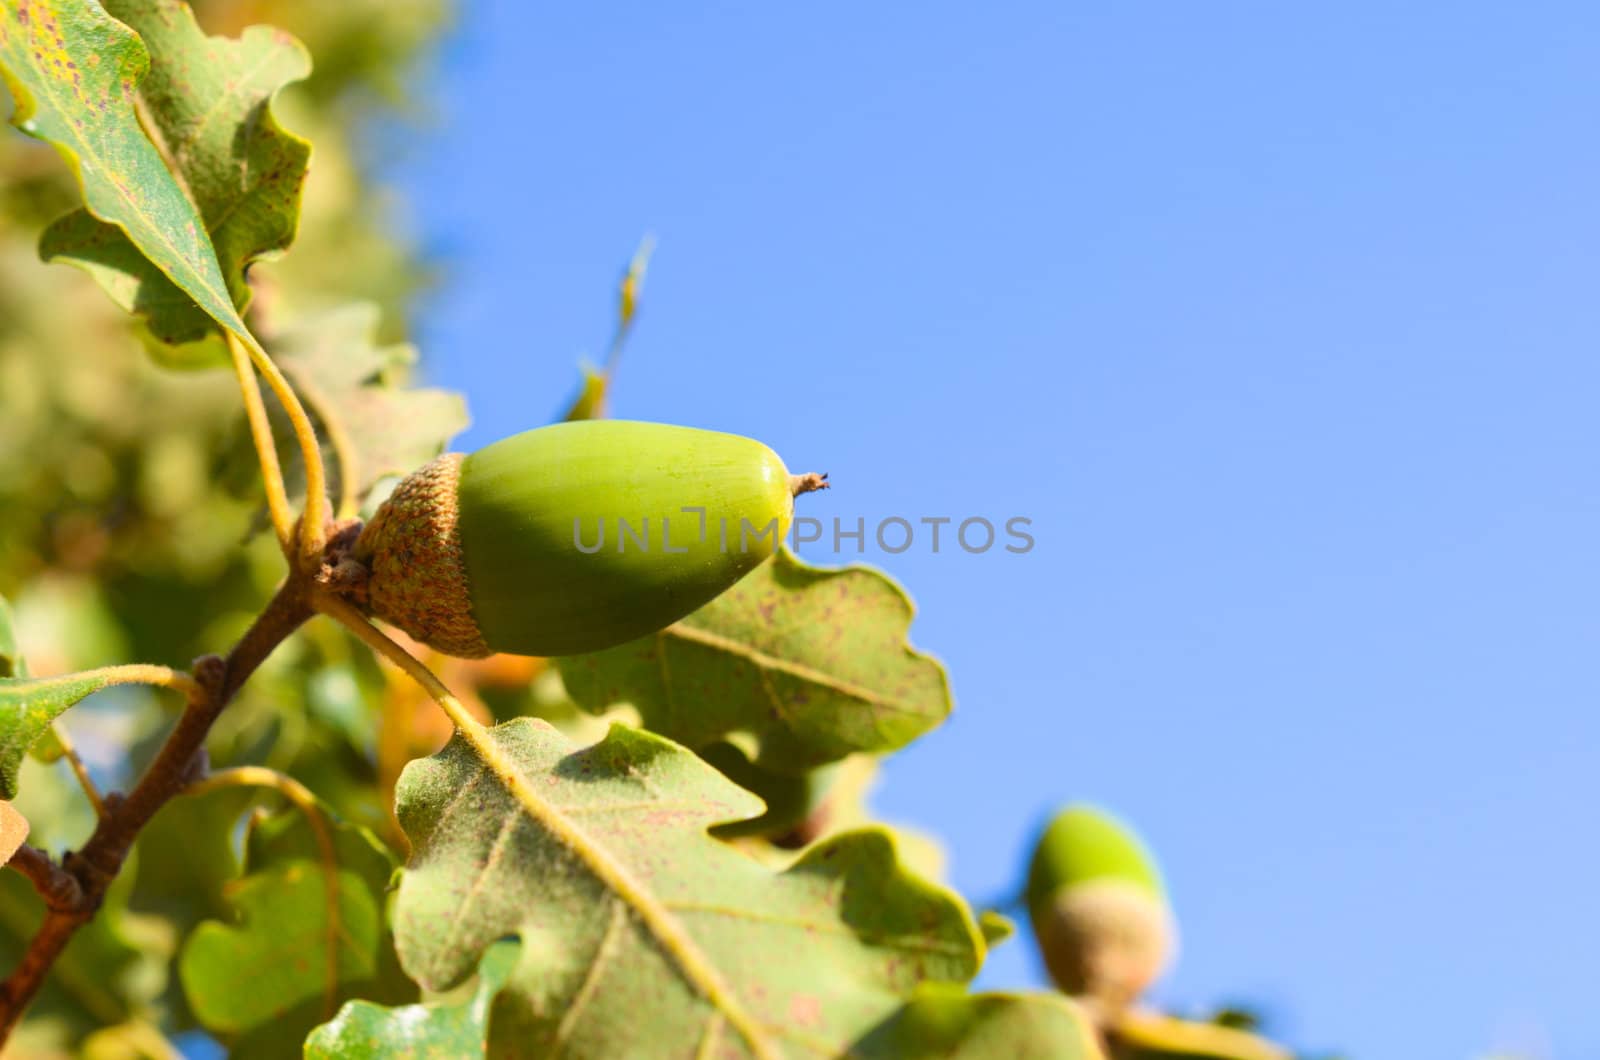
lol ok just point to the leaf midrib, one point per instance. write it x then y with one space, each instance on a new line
765 661
669 933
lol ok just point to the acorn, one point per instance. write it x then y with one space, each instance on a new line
574 537
1099 910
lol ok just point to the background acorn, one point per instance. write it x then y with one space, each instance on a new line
574 537
1099 910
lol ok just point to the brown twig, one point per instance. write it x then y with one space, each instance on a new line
91 870
58 887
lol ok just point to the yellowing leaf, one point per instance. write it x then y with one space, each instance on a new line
209 105
74 73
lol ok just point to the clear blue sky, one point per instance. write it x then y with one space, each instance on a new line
1281 325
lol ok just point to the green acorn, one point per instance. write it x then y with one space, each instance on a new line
1099 909
574 537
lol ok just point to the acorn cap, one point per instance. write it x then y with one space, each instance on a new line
413 549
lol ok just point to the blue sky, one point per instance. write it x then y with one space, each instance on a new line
1279 324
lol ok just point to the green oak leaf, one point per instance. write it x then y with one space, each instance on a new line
371 425
27 707
641 934
75 74
453 1029
804 665
208 102
239 977
284 966
185 858
942 1021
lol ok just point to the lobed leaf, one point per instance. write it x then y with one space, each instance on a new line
75 74
208 101
643 935
804 665
109 973
440 1030
241 977
292 955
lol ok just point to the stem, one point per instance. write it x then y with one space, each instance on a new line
255 411
384 645
313 521
628 302
313 533
146 674
95 866
58 887
810 482
304 801
85 781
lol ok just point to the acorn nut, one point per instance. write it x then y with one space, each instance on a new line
574 537
1099 910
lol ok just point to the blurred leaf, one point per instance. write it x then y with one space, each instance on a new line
244 976
27 707
791 800
600 860
805 664
288 835
185 858
440 1030
942 1021
110 971
13 831
284 966
1150 1036
373 426
996 927
208 102
75 73
11 664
